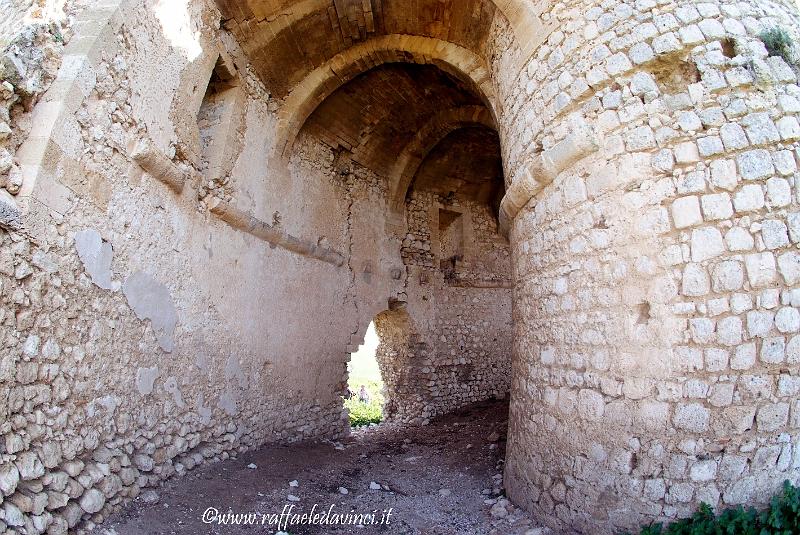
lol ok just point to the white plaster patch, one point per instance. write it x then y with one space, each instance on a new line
233 370
145 377
151 300
171 386
227 402
107 403
96 256
201 361
202 410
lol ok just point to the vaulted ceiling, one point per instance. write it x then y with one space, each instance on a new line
287 39
466 162
419 113
378 113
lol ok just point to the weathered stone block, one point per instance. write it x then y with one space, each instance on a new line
774 233
717 206
691 417
686 212
789 266
749 198
761 271
744 357
696 281
92 501
773 416
773 350
755 164
9 478
779 193
707 243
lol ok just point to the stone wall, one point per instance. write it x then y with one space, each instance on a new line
142 335
654 364
444 328
17 14
457 315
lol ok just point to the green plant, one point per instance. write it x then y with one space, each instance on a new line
778 43
365 413
782 517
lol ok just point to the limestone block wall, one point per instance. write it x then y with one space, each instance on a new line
169 294
459 345
459 353
473 327
655 319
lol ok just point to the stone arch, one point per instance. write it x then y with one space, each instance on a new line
343 67
278 22
427 138
522 15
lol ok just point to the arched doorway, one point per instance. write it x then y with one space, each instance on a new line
416 147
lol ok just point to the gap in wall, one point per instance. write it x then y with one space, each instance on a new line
366 392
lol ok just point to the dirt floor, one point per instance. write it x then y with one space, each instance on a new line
442 479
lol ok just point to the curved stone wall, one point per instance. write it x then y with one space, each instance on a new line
655 362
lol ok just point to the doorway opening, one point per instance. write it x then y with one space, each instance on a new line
451 238
424 175
366 391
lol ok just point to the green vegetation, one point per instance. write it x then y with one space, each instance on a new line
364 370
778 43
782 517
55 31
365 413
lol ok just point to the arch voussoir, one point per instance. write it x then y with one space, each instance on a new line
430 135
340 69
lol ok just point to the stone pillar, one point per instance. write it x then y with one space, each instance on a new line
657 280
